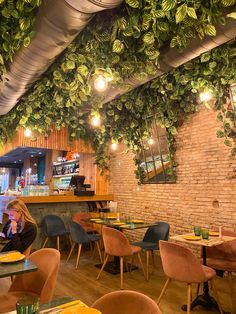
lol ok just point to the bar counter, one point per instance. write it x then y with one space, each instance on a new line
64 198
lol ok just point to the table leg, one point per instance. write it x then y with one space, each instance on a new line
204 300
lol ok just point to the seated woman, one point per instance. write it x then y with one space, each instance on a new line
20 229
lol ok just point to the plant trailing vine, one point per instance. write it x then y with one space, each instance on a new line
122 43
16 22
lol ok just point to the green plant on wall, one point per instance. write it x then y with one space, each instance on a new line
122 43
16 23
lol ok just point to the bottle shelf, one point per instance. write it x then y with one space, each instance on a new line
65 175
65 162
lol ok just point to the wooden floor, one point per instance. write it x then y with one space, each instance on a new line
82 284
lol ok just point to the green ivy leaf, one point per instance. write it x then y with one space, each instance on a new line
26 41
210 30
192 13
118 46
23 120
227 3
167 5
70 65
149 38
24 24
181 13
232 15
133 3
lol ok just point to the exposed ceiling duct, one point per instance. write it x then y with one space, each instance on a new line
170 58
58 22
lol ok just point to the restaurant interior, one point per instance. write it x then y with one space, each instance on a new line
117 147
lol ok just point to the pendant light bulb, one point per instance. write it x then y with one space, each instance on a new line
114 146
100 83
205 96
150 141
27 132
96 121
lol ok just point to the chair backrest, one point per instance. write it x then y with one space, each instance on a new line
225 251
78 217
78 234
115 242
52 224
180 263
126 302
157 233
42 281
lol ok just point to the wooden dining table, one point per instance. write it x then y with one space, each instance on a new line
16 268
205 299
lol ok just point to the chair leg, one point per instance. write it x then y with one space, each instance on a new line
70 239
58 243
71 250
78 256
163 290
99 251
121 272
198 289
91 248
132 262
153 259
126 264
232 292
45 242
189 297
104 264
141 263
147 264
215 293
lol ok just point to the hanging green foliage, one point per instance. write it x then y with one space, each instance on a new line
16 22
120 44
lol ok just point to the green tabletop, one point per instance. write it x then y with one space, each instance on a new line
16 268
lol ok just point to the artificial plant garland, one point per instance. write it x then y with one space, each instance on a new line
123 42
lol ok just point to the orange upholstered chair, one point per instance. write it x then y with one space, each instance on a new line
179 263
223 257
117 244
126 302
26 253
40 283
88 226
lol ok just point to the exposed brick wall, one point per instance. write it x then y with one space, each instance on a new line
205 175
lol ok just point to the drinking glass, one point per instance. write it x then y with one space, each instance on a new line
27 304
205 234
197 230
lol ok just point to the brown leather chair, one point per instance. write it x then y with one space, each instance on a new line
40 282
126 302
117 244
223 257
179 263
